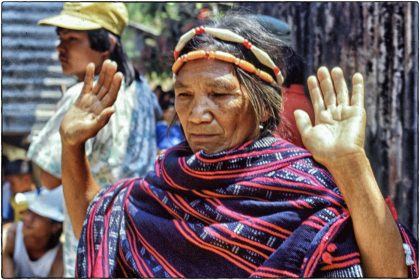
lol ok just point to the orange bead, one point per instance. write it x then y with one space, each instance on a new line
227 57
249 67
193 55
177 65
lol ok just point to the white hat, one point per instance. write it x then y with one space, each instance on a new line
47 203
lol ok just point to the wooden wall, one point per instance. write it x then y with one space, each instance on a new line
380 40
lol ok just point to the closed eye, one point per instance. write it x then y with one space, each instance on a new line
220 95
183 94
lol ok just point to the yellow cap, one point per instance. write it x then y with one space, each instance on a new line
90 15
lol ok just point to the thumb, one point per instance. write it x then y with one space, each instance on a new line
303 122
104 117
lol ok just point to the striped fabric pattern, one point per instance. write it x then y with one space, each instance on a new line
262 210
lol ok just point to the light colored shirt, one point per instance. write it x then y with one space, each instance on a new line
125 147
24 267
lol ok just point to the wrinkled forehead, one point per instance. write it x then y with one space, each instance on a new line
208 72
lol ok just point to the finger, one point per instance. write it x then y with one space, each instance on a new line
104 117
358 91
303 122
108 77
101 78
327 87
88 81
340 86
111 95
316 96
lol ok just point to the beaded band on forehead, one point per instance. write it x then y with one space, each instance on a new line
229 36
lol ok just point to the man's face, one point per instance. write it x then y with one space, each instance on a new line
20 183
74 53
36 227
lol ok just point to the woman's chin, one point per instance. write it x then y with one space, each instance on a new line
206 150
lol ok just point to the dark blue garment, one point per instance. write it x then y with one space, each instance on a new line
166 139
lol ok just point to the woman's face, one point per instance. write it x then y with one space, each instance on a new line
214 111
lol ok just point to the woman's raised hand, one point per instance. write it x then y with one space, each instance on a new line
93 107
340 119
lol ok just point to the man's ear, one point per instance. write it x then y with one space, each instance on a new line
112 44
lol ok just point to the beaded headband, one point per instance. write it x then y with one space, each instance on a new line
229 36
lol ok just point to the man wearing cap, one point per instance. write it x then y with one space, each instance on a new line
32 248
19 174
90 32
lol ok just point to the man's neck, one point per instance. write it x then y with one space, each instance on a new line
35 247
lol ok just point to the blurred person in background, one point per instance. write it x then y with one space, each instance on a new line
18 173
168 130
91 32
294 96
32 247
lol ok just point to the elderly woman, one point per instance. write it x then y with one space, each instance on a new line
233 201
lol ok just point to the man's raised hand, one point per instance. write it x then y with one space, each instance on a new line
93 107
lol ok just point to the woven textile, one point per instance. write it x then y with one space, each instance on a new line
264 209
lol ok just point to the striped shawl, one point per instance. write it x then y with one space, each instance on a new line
262 210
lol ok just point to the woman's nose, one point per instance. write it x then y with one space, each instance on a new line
200 111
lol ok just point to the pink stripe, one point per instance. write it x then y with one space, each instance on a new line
146 272
211 194
105 241
162 261
344 257
242 238
138 260
250 221
190 235
231 173
188 209
250 154
307 176
313 225
122 268
129 185
90 259
304 203
133 248
318 187
414 257
294 204
278 271
228 241
330 199
340 265
146 188
170 182
277 188
319 220
265 274
321 247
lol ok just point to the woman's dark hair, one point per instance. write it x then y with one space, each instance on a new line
99 41
265 98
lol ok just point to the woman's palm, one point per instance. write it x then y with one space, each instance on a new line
339 120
